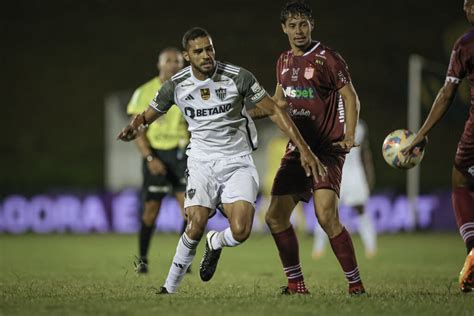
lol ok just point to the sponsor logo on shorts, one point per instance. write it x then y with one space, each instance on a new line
471 170
190 193
299 92
192 113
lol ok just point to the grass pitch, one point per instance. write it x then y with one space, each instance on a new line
413 274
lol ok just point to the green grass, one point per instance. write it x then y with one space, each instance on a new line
413 274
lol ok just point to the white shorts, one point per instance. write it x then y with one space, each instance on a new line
354 187
221 181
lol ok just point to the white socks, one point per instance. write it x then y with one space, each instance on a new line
367 233
185 252
223 239
320 240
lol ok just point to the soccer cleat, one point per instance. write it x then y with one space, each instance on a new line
189 270
294 288
141 266
466 277
162 290
210 258
356 290
285 290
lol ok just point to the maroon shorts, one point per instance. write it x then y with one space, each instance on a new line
464 159
292 180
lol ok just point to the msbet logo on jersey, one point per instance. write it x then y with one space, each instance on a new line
299 93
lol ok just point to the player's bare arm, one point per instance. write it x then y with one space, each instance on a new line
443 101
138 124
309 161
279 99
351 111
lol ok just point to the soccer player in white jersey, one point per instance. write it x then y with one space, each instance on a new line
211 95
358 178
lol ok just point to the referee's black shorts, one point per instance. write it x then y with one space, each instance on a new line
155 187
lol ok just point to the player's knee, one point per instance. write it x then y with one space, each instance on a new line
196 225
272 219
328 222
241 232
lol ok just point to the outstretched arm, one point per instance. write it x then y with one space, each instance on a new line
279 98
139 124
443 101
309 161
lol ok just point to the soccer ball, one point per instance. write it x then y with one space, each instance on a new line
396 141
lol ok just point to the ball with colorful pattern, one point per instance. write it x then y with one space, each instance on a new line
392 146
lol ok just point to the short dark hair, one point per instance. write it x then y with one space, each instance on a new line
295 7
192 34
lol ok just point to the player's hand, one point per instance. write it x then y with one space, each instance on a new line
132 130
127 134
415 146
312 165
156 167
346 144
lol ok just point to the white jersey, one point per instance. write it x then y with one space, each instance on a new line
354 186
215 110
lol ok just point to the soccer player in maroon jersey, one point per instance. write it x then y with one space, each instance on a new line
315 86
461 65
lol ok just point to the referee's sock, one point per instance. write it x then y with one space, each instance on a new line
144 239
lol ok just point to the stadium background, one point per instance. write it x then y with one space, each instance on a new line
62 59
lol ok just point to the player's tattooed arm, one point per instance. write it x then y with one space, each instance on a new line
139 124
441 104
351 111
279 99
311 164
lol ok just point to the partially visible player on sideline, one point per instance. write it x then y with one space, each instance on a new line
162 149
461 65
358 178
314 83
212 95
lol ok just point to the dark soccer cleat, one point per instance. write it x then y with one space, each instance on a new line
294 288
210 259
141 266
356 290
466 277
162 290
285 290
189 270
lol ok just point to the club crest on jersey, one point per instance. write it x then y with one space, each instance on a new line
221 93
205 94
309 72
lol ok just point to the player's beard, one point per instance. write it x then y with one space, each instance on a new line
208 70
